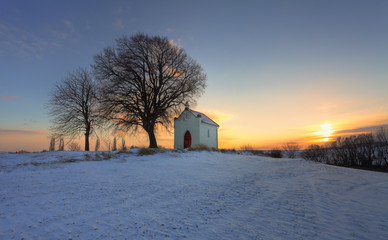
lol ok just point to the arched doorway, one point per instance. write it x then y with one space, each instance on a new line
187 140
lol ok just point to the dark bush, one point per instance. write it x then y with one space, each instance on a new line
275 153
106 155
146 151
363 150
291 149
314 152
199 147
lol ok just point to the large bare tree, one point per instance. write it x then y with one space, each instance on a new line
73 106
146 80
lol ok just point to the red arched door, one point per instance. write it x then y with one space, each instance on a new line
187 142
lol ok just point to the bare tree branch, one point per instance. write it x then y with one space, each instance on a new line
73 106
144 81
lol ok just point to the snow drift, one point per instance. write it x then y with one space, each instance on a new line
195 195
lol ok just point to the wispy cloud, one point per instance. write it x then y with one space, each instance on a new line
119 24
170 30
118 11
67 32
87 25
121 16
218 117
312 138
69 25
366 129
21 43
21 132
8 97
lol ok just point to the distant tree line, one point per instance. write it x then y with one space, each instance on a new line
363 150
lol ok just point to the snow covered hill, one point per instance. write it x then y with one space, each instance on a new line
194 195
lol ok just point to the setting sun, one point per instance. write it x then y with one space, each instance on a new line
326 129
324 135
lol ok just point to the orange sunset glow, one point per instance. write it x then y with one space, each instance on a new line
234 133
325 133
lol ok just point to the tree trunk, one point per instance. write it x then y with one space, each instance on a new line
87 142
152 138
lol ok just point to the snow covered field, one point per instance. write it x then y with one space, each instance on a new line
194 195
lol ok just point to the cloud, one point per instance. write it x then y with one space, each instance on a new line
366 129
312 138
87 25
218 117
69 25
21 43
118 11
119 24
170 30
21 132
8 97
69 32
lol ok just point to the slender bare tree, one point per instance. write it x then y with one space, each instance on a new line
73 106
61 145
146 80
291 149
97 146
114 148
52 144
123 146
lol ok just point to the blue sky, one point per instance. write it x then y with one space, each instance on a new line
276 70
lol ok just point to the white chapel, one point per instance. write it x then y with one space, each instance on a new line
192 128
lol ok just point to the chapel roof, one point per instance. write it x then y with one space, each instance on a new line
204 118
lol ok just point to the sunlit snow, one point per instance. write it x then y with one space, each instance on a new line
194 195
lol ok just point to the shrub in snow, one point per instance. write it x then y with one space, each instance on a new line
228 150
291 149
106 155
199 147
87 157
96 157
74 146
70 160
23 151
275 153
146 151
249 149
246 148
